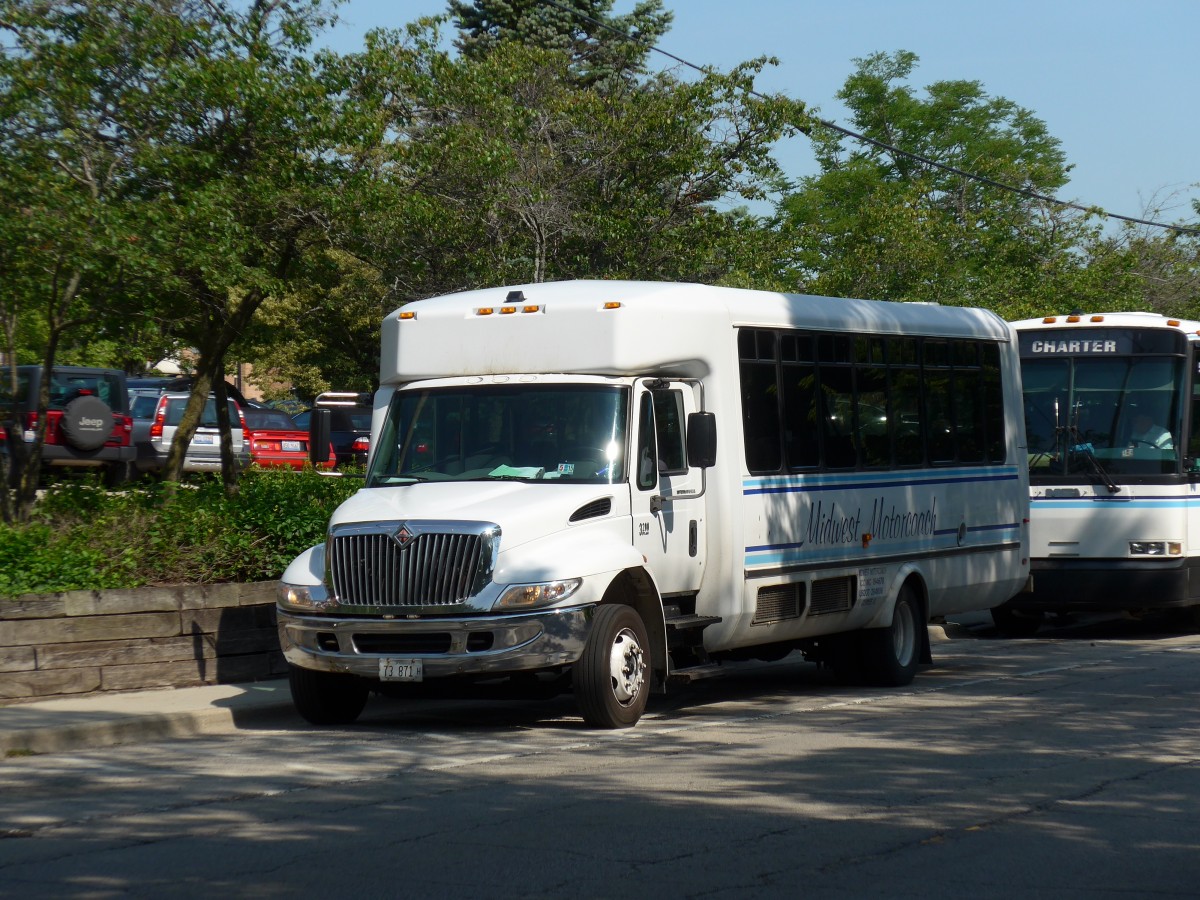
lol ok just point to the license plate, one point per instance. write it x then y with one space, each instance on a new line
292 446
400 670
204 438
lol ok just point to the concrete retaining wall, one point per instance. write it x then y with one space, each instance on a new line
79 642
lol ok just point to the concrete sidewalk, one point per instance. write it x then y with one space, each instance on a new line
106 719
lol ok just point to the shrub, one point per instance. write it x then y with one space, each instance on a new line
84 537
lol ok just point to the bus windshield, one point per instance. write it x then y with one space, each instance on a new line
1107 416
519 432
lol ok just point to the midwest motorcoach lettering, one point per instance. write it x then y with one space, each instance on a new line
909 523
830 525
1097 346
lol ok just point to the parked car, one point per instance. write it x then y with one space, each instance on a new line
275 440
87 421
143 402
349 427
152 437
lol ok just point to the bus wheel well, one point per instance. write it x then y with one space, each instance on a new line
634 588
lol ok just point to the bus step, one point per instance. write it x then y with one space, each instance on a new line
680 623
694 673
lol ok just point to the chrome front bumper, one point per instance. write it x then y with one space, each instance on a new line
446 646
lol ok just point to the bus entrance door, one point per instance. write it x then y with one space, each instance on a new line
668 511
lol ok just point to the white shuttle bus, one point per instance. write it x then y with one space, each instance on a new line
1113 421
545 497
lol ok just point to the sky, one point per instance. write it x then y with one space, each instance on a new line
1114 80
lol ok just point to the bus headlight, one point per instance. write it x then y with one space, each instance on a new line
1155 548
302 597
525 596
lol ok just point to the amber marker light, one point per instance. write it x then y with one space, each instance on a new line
612 304
507 310
484 311
531 309
1049 320
1072 319
405 316
1174 323
1097 318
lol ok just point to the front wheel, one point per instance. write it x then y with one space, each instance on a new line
612 677
326 698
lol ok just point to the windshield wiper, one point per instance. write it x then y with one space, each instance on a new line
1075 444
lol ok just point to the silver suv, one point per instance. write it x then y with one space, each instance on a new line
153 436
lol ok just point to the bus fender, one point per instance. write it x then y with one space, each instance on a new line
635 587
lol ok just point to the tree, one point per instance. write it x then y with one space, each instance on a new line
881 223
76 83
598 44
506 169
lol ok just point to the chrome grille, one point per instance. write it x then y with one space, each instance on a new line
402 564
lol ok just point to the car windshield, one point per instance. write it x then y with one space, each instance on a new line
208 419
267 419
523 432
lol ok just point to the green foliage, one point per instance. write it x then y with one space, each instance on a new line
84 537
599 45
881 224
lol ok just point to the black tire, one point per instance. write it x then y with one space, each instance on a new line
611 680
87 422
1010 623
326 698
890 655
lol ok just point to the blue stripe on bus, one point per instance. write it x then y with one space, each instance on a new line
1101 502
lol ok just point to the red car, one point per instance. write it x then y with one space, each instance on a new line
275 440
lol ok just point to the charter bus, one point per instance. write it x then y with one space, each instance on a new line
1112 419
608 487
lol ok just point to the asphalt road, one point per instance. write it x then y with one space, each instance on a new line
1066 766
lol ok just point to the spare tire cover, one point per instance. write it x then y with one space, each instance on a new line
86 423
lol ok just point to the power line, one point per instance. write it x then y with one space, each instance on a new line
924 160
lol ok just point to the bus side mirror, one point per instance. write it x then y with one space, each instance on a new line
702 439
318 435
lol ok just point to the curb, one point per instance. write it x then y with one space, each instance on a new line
55 726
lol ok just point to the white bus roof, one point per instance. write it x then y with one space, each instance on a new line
572 327
1111 320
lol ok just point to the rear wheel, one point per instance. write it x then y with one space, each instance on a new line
890 655
612 678
326 698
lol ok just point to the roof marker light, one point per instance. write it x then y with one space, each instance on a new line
1072 319
612 304
407 315
1097 318
1049 320
1174 323
507 310
484 311
531 309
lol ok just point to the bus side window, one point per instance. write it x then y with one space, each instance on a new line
647 453
668 423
